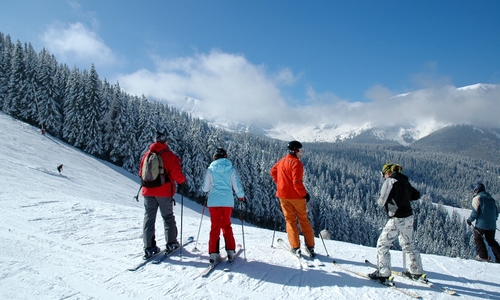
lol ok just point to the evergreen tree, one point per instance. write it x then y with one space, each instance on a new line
93 111
6 50
17 85
31 111
72 106
48 93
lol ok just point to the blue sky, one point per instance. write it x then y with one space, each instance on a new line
280 55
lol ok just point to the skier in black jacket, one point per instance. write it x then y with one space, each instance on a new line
395 197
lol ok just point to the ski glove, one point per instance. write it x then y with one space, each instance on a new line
182 187
307 197
469 222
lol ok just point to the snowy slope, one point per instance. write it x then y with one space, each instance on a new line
73 236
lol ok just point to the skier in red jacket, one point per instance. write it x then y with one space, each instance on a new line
161 197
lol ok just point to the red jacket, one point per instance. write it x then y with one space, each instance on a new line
288 173
173 168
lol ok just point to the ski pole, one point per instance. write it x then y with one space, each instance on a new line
242 230
404 260
137 196
182 212
474 227
484 238
321 236
275 226
274 232
199 228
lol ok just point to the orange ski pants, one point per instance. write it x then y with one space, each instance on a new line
295 209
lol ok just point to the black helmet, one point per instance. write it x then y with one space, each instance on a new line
294 145
161 136
479 188
220 153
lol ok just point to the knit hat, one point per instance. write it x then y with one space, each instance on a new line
220 153
386 168
391 167
479 188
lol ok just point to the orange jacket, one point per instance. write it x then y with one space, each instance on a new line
172 167
288 173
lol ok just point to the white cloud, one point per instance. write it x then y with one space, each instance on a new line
77 44
429 77
286 77
227 86
230 87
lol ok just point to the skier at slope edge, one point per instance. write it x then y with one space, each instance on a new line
288 175
485 213
395 196
221 180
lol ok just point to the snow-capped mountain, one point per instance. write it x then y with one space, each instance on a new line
403 118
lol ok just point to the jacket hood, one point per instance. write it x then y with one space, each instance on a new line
157 146
399 177
220 165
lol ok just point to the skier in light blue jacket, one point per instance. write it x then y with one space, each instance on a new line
221 180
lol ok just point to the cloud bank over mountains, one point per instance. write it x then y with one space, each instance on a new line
226 88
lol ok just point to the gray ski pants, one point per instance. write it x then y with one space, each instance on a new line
151 205
394 228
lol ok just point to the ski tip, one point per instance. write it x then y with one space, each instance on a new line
366 261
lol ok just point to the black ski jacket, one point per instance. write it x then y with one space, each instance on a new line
396 194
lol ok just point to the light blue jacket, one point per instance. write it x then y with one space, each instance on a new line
221 179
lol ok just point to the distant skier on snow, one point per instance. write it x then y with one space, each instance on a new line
60 168
485 213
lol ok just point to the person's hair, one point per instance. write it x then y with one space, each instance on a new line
220 153
396 168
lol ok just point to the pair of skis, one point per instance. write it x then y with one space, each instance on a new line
389 283
227 266
157 258
310 262
316 260
426 282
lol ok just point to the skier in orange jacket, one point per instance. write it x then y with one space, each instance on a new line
288 173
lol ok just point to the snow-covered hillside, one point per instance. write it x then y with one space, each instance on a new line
73 236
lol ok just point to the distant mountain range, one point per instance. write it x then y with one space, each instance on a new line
474 140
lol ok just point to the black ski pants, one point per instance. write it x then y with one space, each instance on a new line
489 235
